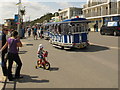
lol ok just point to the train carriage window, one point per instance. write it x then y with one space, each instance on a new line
59 29
82 28
70 29
63 28
50 28
66 29
77 27
73 27
87 27
70 26
55 28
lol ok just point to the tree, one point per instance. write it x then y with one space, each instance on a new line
46 17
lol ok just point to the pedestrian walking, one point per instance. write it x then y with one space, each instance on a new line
96 27
13 42
23 32
35 33
33 30
41 32
4 61
29 31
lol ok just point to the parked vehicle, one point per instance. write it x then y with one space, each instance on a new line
112 28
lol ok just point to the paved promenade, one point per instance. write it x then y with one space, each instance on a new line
2 79
94 67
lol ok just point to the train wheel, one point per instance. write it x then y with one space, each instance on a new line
62 47
47 66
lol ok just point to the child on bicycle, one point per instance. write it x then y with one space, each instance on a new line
42 53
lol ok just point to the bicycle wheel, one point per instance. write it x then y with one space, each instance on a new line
38 64
36 67
47 66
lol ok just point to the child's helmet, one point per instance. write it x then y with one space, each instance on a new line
40 45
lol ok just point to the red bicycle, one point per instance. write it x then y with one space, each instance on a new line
43 63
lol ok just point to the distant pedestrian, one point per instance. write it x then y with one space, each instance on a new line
13 42
35 33
41 32
33 30
29 31
23 32
95 27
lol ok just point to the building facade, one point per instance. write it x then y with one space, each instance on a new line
70 12
100 12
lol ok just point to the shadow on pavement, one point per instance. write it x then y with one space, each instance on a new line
29 44
22 52
54 69
28 78
91 48
25 79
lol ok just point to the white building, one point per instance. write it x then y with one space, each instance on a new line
101 11
70 12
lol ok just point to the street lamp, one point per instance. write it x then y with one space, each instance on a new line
18 24
21 12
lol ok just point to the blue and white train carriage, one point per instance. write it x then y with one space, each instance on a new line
71 33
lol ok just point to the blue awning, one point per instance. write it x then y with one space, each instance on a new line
74 19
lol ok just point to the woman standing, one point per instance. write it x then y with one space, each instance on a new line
13 43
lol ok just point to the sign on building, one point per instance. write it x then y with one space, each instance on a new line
16 18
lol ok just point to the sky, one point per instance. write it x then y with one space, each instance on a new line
35 8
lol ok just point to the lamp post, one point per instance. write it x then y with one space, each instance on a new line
19 17
21 12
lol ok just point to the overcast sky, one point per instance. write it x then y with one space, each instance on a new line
35 8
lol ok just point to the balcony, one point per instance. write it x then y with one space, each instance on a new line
118 7
113 11
119 10
85 6
88 15
105 12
